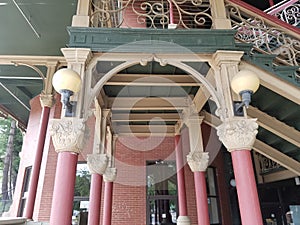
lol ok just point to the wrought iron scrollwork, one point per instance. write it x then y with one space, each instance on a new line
186 14
265 38
290 14
267 165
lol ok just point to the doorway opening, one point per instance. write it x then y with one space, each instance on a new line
161 192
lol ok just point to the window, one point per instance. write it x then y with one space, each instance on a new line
24 192
161 192
212 197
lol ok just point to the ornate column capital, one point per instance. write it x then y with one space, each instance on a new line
227 57
46 100
77 55
68 134
97 163
238 133
198 161
110 174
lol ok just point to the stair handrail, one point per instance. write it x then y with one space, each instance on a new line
268 34
280 6
287 11
271 20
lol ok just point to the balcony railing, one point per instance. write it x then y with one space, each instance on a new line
162 14
266 35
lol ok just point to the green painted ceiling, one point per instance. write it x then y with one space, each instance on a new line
48 17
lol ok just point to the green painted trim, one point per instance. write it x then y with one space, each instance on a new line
265 62
171 41
154 40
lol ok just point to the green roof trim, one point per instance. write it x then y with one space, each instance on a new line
154 40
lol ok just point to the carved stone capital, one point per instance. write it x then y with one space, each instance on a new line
68 134
198 161
46 100
227 57
110 174
77 55
237 133
97 163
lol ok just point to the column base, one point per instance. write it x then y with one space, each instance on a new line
183 220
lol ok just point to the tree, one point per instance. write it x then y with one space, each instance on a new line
10 146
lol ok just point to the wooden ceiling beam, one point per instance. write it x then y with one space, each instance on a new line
275 126
135 117
142 130
152 80
150 103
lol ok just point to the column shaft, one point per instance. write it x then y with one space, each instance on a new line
180 178
63 194
95 199
246 188
107 207
201 198
37 163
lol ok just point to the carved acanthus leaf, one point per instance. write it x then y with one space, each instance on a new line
238 134
97 163
110 174
68 134
198 161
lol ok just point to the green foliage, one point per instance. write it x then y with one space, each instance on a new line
18 141
17 146
82 185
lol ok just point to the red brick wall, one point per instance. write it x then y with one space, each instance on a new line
129 199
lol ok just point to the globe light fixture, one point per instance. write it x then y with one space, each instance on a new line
244 83
66 82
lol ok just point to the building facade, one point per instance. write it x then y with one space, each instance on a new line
157 122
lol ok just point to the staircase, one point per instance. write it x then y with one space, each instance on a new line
275 43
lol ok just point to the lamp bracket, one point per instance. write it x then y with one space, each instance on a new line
69 106
71 109
238 108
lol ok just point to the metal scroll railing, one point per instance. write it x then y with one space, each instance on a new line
287 11
267 34
156 14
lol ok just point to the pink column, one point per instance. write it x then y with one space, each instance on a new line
95 199
37 163
107 207
180 178
63 194
201 198
246 188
